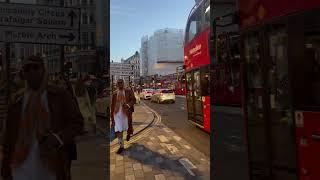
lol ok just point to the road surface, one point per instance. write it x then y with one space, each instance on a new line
175 117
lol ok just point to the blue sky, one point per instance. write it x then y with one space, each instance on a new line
132 19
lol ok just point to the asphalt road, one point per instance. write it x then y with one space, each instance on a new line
175 117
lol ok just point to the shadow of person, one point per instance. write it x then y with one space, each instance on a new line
160 163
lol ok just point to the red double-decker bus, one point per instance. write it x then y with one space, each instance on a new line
180 83
281 56
197 61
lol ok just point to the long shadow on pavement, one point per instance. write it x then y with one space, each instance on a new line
157 161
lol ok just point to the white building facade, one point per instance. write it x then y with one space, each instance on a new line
165 51
134 60
120 70
144 56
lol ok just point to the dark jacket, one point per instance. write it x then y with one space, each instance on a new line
131 100
66 121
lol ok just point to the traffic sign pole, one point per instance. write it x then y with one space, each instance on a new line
7 46
62 56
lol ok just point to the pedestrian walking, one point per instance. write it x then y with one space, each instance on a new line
83 101
92 92
122 104
42 123
72 147
137 95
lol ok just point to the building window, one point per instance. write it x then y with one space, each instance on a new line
83 2
92 19
91 2
93 39
84 18
85 40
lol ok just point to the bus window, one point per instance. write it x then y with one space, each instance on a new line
312 53
194 24
205 84
278 72
252 57
207 13
197 84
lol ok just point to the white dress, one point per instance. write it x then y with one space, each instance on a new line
120 121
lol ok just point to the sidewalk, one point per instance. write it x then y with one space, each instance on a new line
141 120
159 153
90 163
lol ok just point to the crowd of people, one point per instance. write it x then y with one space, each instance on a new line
46 114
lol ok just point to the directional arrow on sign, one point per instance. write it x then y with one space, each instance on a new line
72 14
70 36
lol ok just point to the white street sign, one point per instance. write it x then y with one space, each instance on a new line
39 36
26 15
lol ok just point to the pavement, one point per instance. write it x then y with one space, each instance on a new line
182 126
158 153
90 163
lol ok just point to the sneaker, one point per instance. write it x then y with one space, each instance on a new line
120 150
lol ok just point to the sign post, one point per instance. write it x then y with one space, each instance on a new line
37 24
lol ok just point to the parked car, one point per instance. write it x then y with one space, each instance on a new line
163 95
146 93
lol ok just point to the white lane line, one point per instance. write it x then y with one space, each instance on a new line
188 165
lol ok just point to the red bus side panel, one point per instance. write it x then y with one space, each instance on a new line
308 4
196 52
308 143
206 113
253 12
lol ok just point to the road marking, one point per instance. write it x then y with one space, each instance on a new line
188 165
162 138
177 138
172 148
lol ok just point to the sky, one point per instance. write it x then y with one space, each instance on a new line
132 19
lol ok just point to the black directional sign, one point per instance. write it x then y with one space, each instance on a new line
39 24
39 36
39 16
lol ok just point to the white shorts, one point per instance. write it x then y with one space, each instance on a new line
120 121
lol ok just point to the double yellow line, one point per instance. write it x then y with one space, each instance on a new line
141 134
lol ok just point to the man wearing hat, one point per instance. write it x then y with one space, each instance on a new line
40 127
